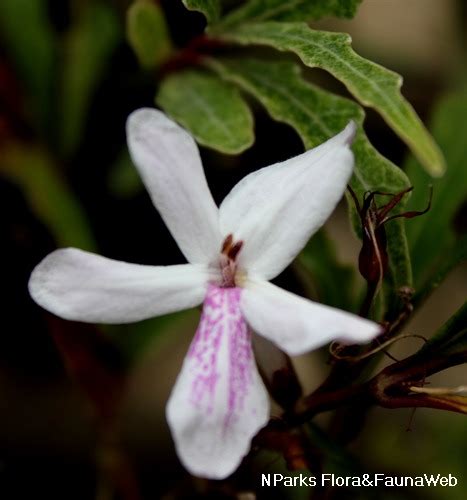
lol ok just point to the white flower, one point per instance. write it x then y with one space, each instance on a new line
219 401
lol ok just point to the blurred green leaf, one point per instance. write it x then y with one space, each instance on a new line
124 180
29 41
317 115
451 337
432 237
47 194
212 110
147 33
370 83
210 8
290 10
87 51
332 282
449 261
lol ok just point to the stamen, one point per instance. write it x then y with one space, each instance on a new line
234 251
229 253
227 244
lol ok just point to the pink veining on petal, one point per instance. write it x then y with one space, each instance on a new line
205 349
219 401
221 317
241 358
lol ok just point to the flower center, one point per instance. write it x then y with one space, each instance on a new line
228 261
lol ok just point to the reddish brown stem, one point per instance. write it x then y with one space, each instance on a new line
191 55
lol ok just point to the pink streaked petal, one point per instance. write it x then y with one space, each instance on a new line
219 401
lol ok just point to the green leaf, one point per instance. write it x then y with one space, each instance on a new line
210 8
317 115
432 237
213 111
289 10
49 197
30 43
370 83
147 33
327 279
87 51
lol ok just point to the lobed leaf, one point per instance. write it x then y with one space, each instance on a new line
433 241
290 10
317 115
370 83
212 110
147 33
210 8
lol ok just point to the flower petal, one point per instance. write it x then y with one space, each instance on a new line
83 286
298 325
219 401
276 209
169 163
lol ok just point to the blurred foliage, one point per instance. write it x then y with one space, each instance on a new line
327 279
35 172
147 33
210 85
86 53
123 180
451 337
433 238
33 51
136 339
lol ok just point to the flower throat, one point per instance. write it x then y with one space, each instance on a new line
228 261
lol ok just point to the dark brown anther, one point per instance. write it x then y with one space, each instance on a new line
227 244
231 249
234 251
229 253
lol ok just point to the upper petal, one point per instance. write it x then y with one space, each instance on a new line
169 163
298 325
276 209
219 401
83 286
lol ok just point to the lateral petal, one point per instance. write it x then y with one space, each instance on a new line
219 401
83 286
276 209
298 325
168 161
